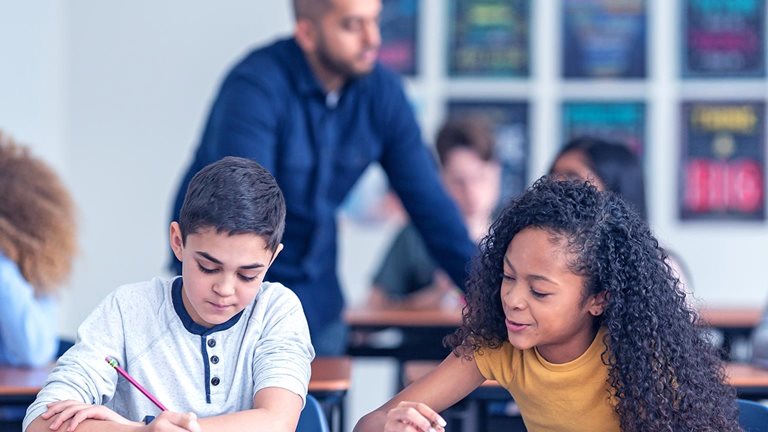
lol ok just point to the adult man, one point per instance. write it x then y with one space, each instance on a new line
316 110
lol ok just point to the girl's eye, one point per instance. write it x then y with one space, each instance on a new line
538 294
507 277
206 270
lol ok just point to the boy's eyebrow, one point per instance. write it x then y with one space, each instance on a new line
534 276
215 261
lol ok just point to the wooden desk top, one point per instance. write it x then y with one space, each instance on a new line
403 318
731 317
719 317
740 375
328 374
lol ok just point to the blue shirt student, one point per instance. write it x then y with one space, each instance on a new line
28 334
271 108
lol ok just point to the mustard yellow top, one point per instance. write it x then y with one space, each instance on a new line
552 397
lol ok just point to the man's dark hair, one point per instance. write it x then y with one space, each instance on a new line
472 133
311 9
234 196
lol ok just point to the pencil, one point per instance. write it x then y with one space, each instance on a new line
113 362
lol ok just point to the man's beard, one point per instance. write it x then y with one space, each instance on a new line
338 67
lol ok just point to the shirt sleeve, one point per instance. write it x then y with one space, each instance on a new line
82 374
28 334
284 353
412 171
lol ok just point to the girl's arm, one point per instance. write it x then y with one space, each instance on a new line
419 403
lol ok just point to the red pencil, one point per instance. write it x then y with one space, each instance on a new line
113 362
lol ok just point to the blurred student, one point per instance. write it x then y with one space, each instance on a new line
37 246
408 276
220 347
573 309
612 167
316 110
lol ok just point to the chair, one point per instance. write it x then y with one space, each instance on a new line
312 417
753 417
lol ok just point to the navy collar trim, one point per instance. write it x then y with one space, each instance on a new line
186 319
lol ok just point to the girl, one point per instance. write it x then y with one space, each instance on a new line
37 244
572 307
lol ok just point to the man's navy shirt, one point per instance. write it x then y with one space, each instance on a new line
272 109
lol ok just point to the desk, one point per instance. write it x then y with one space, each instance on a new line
428 327
736 323
329 384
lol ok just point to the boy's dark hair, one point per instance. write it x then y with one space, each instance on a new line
662 370
235 196
617 166
473 133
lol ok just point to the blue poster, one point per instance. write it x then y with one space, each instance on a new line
489 38
622 122
723 38
722 161
399 35
604 39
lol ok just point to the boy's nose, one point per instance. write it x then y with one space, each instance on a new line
224 288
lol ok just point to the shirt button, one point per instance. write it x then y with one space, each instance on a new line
215 381
211 343
214 359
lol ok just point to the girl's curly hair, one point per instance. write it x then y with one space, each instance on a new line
37 218
664 373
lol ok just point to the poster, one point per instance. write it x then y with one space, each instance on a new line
399 35
510 124
722 161
489 38
604 39
723 38
620 121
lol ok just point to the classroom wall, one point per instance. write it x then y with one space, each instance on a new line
114 94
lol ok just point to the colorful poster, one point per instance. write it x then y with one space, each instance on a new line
723 38
604 39
489 38
510 123
622 122
399 35
722 175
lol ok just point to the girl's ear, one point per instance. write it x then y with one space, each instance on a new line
597 304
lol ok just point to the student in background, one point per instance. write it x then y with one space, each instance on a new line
217 340
572 307
615 168
37 246
408 276
316 110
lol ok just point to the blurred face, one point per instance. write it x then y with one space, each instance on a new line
573 165
472 182
345 41
543 300
222 273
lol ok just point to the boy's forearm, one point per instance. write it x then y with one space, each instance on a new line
248 420
41 425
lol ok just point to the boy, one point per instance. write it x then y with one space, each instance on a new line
217 340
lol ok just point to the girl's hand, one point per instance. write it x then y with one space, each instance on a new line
168 421
77 412
413 416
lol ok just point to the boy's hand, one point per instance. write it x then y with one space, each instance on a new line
168 421
413 416
77 412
